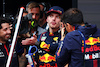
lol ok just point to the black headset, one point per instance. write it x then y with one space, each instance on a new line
46 6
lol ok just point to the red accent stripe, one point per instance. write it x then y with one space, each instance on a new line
6 49
74 27
42 35
95 63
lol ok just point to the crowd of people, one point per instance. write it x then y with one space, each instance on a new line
52 37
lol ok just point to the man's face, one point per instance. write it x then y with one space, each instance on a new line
35 13
5 32
54 20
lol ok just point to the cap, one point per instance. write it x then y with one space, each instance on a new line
56 9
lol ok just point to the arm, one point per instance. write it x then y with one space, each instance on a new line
62 28
63 54
30 41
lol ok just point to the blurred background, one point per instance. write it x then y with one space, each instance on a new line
90 8
12 6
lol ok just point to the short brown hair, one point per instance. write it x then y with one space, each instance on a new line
72 16
33 5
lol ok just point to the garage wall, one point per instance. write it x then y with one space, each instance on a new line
91 10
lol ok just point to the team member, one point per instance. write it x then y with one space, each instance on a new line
5 34
34 9
49 40
44 8
34 13
80 47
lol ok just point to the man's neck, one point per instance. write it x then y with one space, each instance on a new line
82 24
42 23
52 30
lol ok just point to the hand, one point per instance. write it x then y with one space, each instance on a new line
34 64
29 66
30 41
62 28
11 26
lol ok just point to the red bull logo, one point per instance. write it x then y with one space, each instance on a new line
91 49
47 58
44 45
92 41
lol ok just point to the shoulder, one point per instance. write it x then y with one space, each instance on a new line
41 30
73 33
73 36
97 33
72 39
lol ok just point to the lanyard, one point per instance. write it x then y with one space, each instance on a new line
6 49
83 38
84 45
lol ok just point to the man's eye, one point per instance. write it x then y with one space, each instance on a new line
51 16
37 14
58 17
5 29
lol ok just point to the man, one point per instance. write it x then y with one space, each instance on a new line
5 34
44 8
34 14
80 47
34 8
34 11
48 40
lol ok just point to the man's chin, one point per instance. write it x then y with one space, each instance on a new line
55 27
7 38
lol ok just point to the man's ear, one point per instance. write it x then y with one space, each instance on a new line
71 28
68 25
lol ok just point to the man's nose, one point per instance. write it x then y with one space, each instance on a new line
33 16
54 18
9 31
